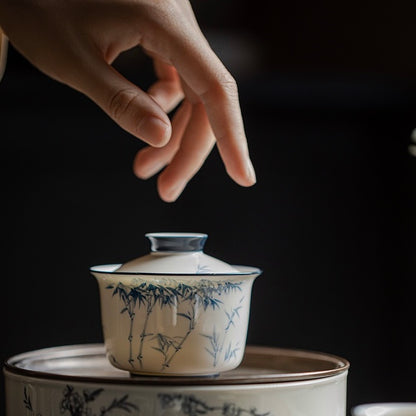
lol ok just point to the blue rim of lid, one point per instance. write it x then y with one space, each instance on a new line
111 269
175 242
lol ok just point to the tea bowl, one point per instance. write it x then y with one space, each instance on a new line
175 311
79 380
385 409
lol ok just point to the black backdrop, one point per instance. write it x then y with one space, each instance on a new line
328 97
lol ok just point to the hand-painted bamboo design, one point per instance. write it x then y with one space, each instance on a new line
203 295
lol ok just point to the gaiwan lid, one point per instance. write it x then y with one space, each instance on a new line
179 253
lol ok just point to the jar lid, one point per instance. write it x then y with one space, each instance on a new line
177 253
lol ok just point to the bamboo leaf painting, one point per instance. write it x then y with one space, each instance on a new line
81 403
205 295
189 405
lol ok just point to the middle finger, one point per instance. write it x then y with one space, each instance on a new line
196 144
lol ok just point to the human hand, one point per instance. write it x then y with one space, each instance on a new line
76 41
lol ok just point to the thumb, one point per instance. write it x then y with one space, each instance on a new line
129 106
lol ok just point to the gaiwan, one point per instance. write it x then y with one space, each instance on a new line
175 311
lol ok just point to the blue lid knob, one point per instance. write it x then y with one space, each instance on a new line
179 242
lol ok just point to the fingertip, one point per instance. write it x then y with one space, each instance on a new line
139 165
250 174
154 131
243 174
243 181
144 166
167 198
169 192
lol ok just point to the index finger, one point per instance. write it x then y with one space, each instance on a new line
205 74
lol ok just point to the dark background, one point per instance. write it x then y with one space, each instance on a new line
328 97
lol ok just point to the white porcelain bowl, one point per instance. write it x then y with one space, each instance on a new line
176 311
78 380
385 409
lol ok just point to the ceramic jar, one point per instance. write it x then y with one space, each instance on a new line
175 311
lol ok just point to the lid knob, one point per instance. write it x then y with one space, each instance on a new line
179 242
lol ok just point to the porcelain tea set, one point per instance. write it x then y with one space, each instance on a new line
175 311
175 324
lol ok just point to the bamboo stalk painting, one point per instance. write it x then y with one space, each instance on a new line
190 301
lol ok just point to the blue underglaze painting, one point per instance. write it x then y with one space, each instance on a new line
90 402
81 403
204 295
189 405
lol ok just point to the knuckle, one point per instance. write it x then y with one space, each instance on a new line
229 83
223 88
120 102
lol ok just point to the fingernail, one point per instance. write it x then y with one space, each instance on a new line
251 174
172 194
154 131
